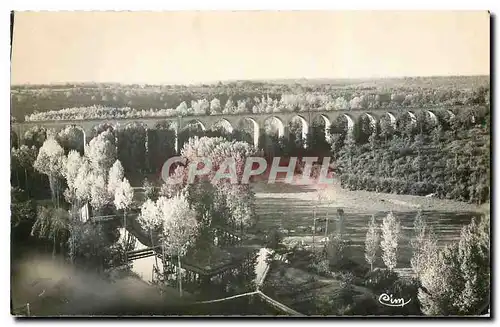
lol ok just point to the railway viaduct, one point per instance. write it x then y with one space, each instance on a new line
233 121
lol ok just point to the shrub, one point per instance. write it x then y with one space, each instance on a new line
381 280
363 306
336 253
274 239
321 267
347 279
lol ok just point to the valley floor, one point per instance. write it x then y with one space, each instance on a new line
334 196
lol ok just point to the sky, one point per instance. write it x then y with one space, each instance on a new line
193 47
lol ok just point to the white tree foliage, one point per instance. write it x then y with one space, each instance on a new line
83 181
99 196
101 152
124 194
229 107
390 237
51 161
215 107
419 243
456 280
237 200
71 169
180 226
150 217
473 257
371 242
436 280
115 177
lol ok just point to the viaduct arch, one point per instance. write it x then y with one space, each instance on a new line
231 122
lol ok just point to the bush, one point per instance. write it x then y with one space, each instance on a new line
347 279
388 282
300 258
336 253
274 239
381 280
363 306
321 267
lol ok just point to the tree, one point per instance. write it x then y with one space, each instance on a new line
150 219
350 148
473 258
456 281
215 107
340 223
436 292
101 152
371 242
71 138
115 177
124 194
229 107
91 247
241 106
51 223
74 166
150 191
132 142
356 103
200 107
83 182
70 172
50 161
180 227
238 200
234 202
99 196
35 136
390 238
182 108
26 157
22 208
15 165
419 243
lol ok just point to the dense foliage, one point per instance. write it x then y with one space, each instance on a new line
222 203
451 159
456 279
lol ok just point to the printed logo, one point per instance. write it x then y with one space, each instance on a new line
389 301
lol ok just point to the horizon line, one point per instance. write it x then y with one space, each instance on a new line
277 79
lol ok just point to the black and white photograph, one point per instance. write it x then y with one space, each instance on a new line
250 163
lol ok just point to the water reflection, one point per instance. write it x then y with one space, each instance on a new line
143 267
208 273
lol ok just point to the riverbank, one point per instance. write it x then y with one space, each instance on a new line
333 196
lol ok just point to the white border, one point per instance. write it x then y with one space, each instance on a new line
252 5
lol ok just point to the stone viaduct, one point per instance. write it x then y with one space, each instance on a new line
233 121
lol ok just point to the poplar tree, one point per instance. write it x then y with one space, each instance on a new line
371 242
390 236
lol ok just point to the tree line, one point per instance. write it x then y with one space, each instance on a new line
122 101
